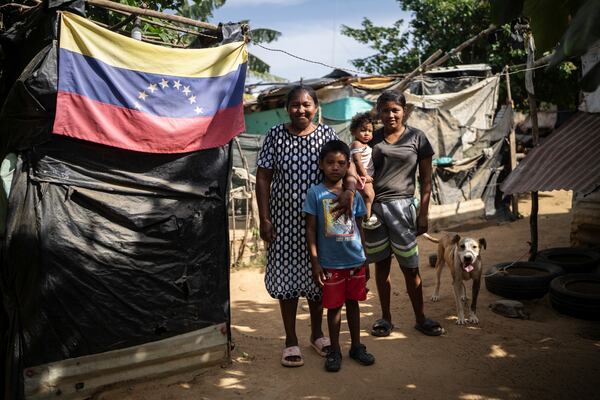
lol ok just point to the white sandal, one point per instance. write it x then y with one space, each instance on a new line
292 351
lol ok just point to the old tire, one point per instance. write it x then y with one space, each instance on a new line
521 280
577 295
572 259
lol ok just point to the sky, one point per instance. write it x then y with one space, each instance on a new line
310 29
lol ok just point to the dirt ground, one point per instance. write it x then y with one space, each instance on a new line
549 356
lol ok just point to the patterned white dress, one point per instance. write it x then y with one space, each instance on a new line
295 164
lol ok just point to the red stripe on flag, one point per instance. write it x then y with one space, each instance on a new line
82 118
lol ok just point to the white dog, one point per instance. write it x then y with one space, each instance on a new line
464 259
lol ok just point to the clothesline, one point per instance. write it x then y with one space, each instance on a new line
356 71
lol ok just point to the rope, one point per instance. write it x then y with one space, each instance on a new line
528 69
311 61
503 269
360 72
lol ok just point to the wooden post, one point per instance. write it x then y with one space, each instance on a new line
533 219
404 82
462 46
512 142
151 13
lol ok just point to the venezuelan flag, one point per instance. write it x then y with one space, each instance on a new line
125 93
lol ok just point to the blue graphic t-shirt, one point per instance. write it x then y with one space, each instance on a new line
338 241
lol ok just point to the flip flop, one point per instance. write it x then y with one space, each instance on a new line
321 345
292 351
382 328
430 328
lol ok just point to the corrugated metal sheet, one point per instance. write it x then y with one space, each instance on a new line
568 159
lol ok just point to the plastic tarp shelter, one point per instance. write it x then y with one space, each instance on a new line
115 263
455 107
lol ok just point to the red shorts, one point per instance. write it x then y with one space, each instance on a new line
344 284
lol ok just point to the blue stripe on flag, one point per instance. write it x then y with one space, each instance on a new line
160 95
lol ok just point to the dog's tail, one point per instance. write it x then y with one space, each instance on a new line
431 238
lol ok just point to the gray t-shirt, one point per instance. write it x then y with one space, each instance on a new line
396 163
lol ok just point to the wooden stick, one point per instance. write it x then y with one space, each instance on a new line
533 219
122 23
420 69
176 28
15 5
537 63
512 143
153 41
151 13
462 46
166 26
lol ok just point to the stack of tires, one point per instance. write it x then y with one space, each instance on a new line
577 293
569 274
521 280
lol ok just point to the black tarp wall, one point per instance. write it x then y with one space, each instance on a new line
104 248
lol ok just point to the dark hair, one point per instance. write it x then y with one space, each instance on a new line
334 146
359 119
391 95
299 89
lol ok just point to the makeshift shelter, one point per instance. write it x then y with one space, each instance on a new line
115 262
454 106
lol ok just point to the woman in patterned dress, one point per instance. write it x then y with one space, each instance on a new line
287 167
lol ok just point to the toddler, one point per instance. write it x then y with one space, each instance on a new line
361 128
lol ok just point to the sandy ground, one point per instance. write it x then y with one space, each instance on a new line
549 356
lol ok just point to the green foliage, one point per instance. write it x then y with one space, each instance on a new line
199 10
550 26
257 67
391 45
445 24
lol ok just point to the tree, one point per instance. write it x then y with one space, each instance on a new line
444 24
199 10
569 26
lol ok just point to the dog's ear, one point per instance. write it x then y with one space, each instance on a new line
456 239
482 243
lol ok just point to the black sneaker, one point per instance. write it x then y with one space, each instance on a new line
333 362
359 353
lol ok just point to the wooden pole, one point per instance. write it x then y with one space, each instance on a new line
151 13
512 142
404 82
533 219
463 45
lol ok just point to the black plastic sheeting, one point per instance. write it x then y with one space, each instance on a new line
108 248
104 248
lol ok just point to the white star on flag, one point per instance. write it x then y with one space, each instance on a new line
186 90
164 83
177 85
137 105
142 95
192 99
152 88
198 110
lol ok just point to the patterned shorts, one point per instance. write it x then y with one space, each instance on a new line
396 234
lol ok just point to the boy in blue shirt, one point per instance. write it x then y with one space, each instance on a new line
336 253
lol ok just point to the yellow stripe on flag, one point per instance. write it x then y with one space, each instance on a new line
82 36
